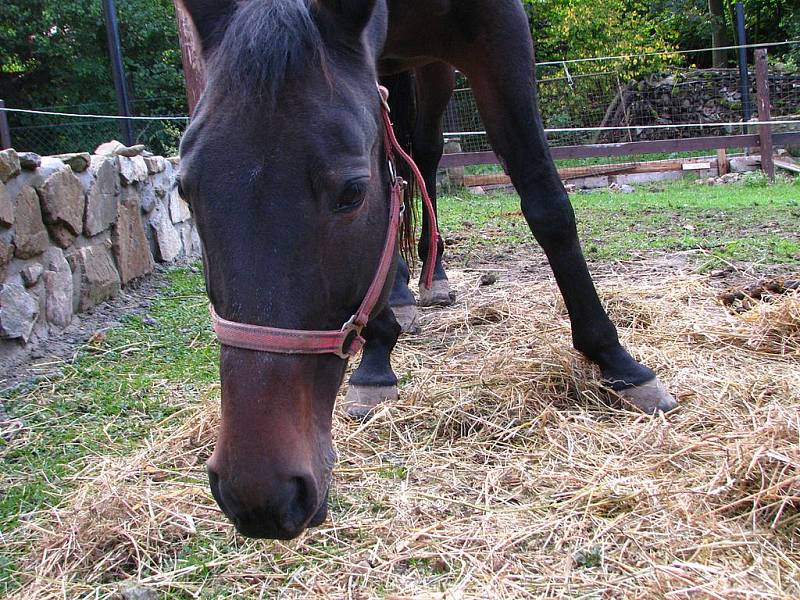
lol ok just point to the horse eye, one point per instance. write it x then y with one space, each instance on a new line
352 196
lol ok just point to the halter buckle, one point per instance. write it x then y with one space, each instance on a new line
383 92
355 342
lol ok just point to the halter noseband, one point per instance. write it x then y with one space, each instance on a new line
347 341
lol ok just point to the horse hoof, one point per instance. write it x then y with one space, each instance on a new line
407 318
650 397
361 401
439 294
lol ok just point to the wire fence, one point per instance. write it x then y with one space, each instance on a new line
602 107
48 129
601 104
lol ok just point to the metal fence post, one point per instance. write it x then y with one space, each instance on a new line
5 132
118 69
743 76
764 113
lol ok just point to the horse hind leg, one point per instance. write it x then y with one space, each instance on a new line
501 74
435 84
418 105
374 382
403 106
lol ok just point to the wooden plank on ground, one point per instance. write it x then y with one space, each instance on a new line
696 166
786 165
482 180
568 173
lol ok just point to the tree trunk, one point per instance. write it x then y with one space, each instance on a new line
719 33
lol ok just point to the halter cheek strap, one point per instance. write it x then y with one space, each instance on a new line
346 342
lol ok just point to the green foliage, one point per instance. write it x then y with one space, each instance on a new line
55 55
765 21
791 24
588 28
565 29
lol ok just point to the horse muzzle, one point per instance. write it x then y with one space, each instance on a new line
292 506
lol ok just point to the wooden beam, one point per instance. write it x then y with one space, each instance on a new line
5 132
463 159
194 67
786 138
722 162
655 146
764 113
788 166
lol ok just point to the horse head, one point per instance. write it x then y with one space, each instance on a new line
285 169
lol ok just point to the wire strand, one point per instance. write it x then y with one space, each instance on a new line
447 133
30 111
663 53
640 127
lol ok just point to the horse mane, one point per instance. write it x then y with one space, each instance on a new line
265 43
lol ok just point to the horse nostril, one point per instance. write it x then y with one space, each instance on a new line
302 502
213 481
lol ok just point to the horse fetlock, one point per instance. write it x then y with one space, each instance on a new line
361 401
651 397
439 294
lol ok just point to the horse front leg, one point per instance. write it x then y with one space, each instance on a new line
402 300
502 77
374 382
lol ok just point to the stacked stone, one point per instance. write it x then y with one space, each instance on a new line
76 228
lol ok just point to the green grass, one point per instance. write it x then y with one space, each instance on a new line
106 403
748 222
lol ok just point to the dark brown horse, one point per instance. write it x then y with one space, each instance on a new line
285 167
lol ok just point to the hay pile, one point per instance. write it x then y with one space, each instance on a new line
504 471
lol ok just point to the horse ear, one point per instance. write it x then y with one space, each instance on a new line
210 19
353 14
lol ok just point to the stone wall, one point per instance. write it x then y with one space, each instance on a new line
76 228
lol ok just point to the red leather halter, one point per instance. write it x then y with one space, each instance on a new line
347 341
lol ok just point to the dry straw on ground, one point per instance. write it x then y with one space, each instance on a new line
504 471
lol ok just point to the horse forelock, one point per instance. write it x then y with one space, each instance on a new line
266 43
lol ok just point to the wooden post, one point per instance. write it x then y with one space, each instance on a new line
722 162
5 132
194 68
764 113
